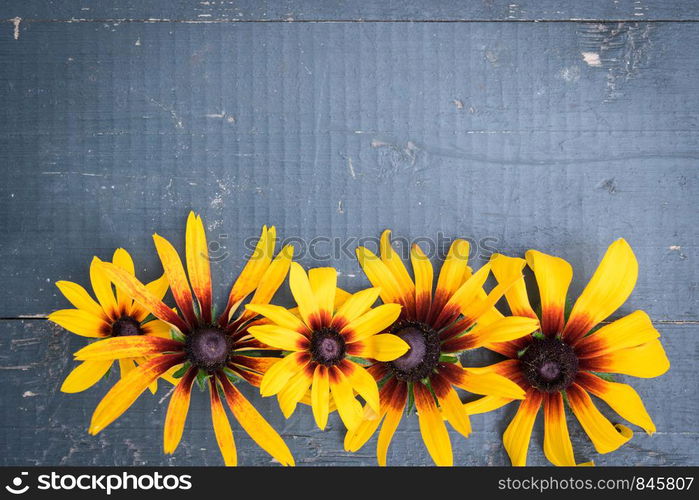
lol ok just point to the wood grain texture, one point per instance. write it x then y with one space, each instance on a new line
516 135
350 10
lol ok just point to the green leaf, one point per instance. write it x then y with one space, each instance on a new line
180 373
521 352
231 375
176 335
538 335
605 376
411 399
359 361
446 358
202 377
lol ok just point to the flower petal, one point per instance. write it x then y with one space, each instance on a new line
255 425
382 347
176 276
462 298
646 361
79 297
394 405
434 432
347 406
355 306
128 347
622 398
600 430
294 390
222 427
303 294
177 411
379 275
158 288
607 290
279 373
395 265
485 404
505 269
127 390
85 375
630 331
374 321
424 276
323 282
144 296
198 266
123 260
103 289
454 273
486 383
280 316
320 396
280 338
518 433
272 278
553 276
363 383
505 329
81 322
450 404
557 446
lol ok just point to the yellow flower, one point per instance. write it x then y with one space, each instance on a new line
321 340
111 316
565 355
213 350
437 328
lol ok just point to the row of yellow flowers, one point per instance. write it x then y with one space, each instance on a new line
338 351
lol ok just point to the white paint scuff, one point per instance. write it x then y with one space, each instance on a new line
15 22
592 59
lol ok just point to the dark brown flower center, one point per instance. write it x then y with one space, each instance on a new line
327 346
208 348
549 364
126 326
422 357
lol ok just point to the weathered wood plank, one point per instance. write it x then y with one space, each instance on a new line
390 10
40 425
503 133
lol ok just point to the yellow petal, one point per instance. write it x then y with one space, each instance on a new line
128 347
453 409
485 404
222 427
157 328
607 290
103 289
505 269
347 406
553 276
375 321
454 271
357 437
279 315
280 338
320 396
600 430
81 322
323 281
646 361
273 277
254 269
382 347
302 292
123 260
505 329
468 292
177 411
519 432
85 375
379 275
395 265
490 384
127 390
79 297
356 305
557 446
176 276
293 391
255 425
630 331
198 267
363 383
622 398
434 432
424 276
388 429
279 373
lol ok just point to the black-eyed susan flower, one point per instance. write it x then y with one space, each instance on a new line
112 315
321 341
437 328
215 351
567 359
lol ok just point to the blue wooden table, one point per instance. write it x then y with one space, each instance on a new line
554 125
